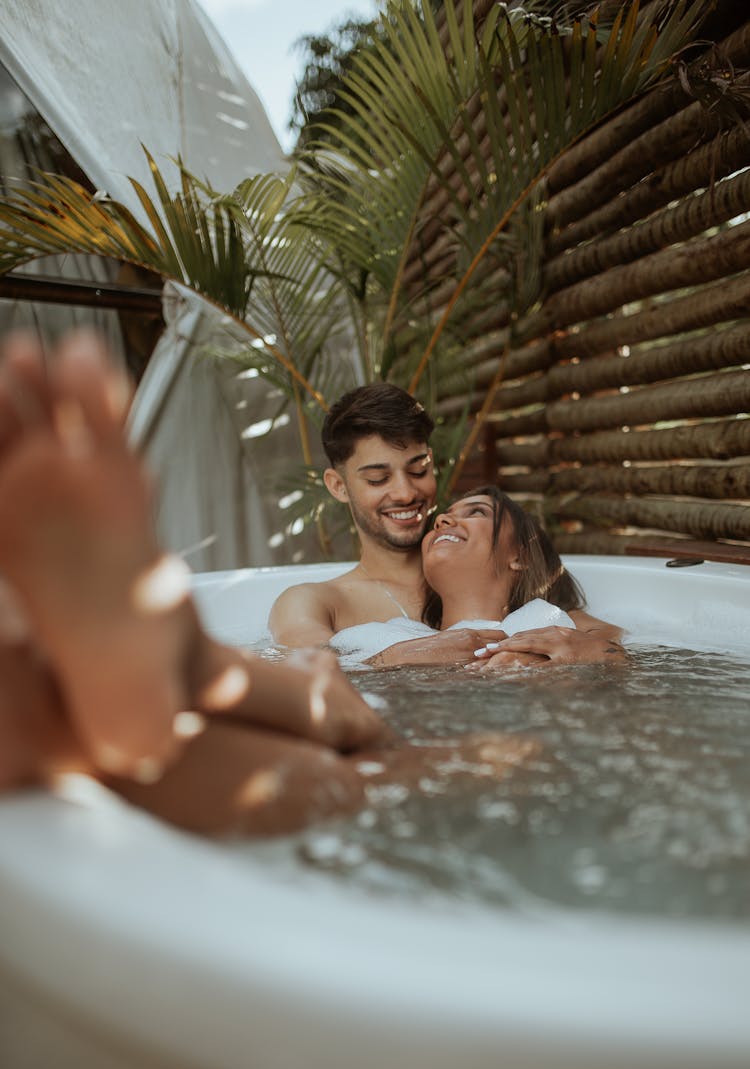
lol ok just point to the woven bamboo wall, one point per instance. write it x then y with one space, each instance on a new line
622 409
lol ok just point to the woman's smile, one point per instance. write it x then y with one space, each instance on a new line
445 537
467 520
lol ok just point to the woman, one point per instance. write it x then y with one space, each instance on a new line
489 565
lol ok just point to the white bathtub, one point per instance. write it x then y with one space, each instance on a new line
126 944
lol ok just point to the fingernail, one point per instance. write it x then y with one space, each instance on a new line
493 645
480 652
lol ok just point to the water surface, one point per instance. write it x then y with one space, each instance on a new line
639 804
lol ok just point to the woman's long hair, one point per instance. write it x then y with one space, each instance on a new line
542 575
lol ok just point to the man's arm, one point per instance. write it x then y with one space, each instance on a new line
454 646
554 645
585 622
303 616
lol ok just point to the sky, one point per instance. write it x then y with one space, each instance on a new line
261 34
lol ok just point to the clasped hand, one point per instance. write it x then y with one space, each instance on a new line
548 645
454 646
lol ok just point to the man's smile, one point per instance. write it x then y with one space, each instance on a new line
412 515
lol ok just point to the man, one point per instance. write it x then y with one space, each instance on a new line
376 439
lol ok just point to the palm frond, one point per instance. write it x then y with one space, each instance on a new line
535 80
409 139
306 503
195 237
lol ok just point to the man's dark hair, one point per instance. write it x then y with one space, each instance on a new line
378 408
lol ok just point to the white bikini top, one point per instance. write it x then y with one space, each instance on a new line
363 641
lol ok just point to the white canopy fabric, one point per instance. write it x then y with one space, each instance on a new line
221 448
108 78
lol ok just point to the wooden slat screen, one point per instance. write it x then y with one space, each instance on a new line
623 413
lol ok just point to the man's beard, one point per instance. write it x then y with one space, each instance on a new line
403 540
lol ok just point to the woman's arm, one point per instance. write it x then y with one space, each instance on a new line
454 646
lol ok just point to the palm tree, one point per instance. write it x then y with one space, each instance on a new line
415 218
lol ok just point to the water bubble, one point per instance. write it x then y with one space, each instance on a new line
498 809
587 875
375 701
331 851
389 794
322 848
352 854
431 787
404 829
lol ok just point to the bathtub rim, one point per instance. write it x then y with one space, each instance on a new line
472 976
478 978
673 615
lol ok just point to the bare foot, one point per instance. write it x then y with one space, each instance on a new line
111 614
76 543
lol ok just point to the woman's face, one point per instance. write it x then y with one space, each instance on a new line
460 543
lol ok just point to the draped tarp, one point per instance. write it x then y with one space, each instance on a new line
109 77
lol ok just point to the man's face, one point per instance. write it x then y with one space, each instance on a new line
390 490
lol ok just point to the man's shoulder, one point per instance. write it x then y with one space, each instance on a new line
321 589
313 601
323 592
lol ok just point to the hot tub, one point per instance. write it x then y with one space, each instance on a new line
127 944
